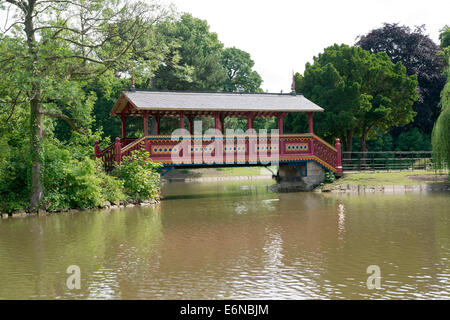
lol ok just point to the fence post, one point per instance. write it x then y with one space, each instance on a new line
97 149
118 150
339 159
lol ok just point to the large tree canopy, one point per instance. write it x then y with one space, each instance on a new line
52 47
418 53
197 60
240 76
363 93
194 59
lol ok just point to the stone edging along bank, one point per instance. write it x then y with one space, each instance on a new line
356 188
105 205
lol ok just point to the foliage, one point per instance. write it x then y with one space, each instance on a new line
413 140
329 177
441 130
77 183
50 49
240 76
418 53
364 94
140 176
14 176
193 61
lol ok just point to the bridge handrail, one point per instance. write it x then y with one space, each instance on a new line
323 152
131 145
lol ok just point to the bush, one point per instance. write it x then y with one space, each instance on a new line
140 176
73 183
73 180
413 140
424 164
329 177
14 177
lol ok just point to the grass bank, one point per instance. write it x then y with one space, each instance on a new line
405 178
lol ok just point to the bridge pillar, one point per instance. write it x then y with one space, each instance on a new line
280 124
216 120
222 124
158 124
250 121
339 157
145 116
181 120
294 177
310 122
123 118
118 150
97 149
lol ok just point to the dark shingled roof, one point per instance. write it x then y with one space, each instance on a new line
220 101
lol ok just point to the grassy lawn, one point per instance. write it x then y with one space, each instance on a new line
392 178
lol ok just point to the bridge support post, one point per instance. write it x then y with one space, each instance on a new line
123 118
97 149
222 124
216 120
158 124
303 176
280 124
310 122
339 157
147 143
181 120
118 150
250 122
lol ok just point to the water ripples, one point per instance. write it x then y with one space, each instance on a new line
256 245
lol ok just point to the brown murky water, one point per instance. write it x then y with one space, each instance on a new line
235 240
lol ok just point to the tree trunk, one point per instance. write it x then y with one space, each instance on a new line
36 123
364 150
37 140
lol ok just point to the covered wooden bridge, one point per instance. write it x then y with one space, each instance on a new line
295 150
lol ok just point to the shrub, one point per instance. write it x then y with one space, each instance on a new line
329 177
73 183
14 177
140 176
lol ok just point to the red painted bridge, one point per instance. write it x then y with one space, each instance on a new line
199 150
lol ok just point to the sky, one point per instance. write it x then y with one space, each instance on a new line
283 35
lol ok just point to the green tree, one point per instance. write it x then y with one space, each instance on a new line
413 140
418 53
57 46
362 93
441 130
194 59
240 76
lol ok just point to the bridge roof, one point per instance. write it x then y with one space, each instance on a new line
134 102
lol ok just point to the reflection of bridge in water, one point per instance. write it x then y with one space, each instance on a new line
303 155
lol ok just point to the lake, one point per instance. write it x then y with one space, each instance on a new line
235 240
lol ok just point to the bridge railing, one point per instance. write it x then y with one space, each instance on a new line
238 149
